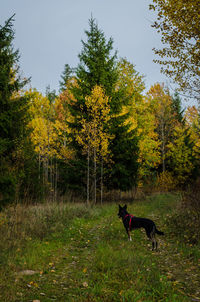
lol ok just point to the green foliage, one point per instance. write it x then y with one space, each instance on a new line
101 132
177 108
7 187
98 68
65 76
50 94
139 119
123 174
165 118
13 109
180 156
30 187
97 65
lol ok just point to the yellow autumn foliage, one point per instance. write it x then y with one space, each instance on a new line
48 131
93 134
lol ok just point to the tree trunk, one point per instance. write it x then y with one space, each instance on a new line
101 181
88 176
39 165
163 147
56 181
95 177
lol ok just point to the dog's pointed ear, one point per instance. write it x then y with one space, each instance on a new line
125 207
120 206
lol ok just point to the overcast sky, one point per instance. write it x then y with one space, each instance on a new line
48 35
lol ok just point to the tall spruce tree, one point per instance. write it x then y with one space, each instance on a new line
98 66
176 107
65 76
123 173
12 110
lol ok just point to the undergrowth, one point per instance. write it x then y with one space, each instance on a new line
184 222
78 253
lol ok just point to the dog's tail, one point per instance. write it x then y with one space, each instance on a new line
159 232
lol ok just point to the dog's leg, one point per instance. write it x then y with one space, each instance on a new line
129 235
156 245
153 238
155 241
149 235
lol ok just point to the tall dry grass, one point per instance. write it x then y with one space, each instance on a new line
186 221
19 223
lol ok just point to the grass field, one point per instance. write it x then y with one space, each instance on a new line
69 252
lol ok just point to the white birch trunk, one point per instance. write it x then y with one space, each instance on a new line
95 177
88 176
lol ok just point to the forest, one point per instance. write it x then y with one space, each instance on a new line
69 158
102 135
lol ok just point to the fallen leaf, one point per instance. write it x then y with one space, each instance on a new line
85 284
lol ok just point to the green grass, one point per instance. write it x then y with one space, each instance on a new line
82 254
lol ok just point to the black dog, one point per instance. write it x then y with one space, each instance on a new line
131 222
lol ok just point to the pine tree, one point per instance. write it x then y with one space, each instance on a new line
123 173
124 170
97 64
65 76
176 107
12 109
98 67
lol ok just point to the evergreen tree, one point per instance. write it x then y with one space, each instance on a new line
65 76
12 110
176 107
123 173
98 66
50 94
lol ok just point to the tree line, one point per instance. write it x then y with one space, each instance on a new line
101 132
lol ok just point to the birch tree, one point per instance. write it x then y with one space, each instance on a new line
93 135
178 24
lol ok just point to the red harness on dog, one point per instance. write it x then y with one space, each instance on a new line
131 216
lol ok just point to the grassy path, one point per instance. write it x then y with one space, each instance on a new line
92 260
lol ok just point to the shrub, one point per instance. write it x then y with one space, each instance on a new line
165 181
185 223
